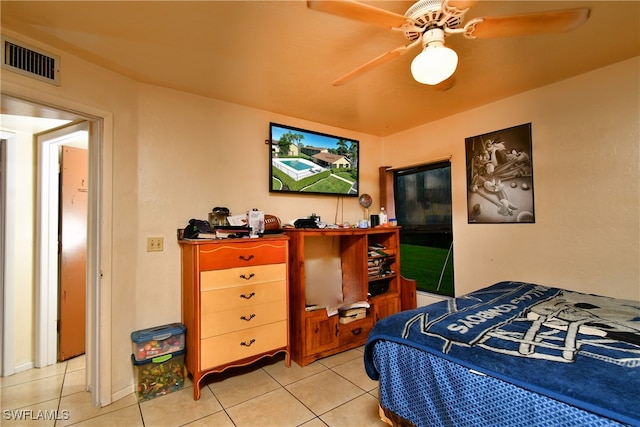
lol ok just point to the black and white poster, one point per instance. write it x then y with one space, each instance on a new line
500 176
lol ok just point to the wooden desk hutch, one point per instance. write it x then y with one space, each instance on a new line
315 334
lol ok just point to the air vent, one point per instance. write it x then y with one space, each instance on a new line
30 62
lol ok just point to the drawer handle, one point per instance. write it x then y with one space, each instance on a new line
250 343
247 318
242 276
251 295
244 258
356 331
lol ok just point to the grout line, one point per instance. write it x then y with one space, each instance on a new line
223 409
66 367
140 410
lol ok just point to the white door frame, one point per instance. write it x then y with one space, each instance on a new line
99 254
47 265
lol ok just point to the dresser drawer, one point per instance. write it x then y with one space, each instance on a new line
218 279
244 297
228 348
357 330
237 319
220 256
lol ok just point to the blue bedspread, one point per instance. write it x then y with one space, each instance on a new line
577 348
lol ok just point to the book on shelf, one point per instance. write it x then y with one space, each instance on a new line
352 314
207 236
353 318
357 304
226 231
376 246
378 253
332 311
200 236
353 311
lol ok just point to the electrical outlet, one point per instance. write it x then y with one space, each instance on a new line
155 244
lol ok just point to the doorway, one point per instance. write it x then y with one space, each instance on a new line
423 208
72 294
62 193
98 266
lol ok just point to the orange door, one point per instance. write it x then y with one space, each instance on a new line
73 250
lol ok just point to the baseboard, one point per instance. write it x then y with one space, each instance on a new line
424 298
122 393
24 367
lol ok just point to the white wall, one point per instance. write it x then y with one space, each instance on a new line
20 255
586 180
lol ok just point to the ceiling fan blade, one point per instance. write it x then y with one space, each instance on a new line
359 11
385 57
557 21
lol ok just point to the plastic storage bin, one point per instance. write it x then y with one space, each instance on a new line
156 341
160 375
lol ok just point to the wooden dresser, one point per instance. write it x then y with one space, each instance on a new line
235 303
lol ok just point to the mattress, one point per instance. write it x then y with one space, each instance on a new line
511 354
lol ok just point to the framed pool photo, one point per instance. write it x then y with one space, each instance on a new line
500 177
307 162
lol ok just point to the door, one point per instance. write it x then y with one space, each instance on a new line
422 203
321 332
73 250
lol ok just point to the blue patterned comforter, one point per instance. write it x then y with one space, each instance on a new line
580 349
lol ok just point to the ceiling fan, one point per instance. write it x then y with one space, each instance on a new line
428 22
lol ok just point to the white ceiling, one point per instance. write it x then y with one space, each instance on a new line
281 56
33 125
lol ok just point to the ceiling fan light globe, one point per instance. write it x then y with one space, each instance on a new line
434 65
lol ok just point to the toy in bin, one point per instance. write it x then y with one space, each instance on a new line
160 375
156 341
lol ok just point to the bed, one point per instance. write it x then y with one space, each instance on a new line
511 354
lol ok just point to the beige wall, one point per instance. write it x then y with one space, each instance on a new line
89 89
175 156
586 180
198 154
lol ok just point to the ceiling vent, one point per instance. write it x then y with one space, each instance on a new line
30 62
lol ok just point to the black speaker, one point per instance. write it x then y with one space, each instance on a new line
378 287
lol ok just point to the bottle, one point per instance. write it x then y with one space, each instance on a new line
382 217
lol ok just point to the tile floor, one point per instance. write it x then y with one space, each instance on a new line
334 391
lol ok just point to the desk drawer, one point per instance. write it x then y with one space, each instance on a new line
357 330
218 279
237 319
221 256
235 346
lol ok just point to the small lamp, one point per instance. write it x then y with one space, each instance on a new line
436 62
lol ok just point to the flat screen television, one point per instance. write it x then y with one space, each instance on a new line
307 162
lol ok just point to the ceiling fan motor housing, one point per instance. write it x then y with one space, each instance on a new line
428 14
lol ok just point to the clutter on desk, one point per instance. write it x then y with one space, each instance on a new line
218 216
222 225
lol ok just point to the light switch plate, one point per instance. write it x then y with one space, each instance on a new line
155 244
